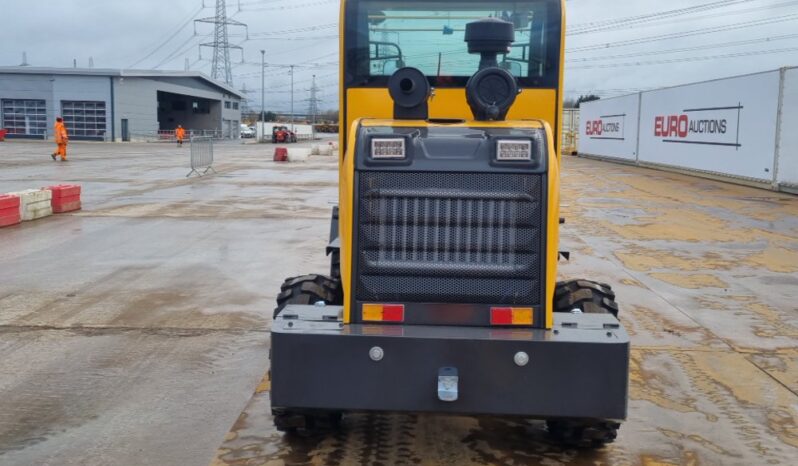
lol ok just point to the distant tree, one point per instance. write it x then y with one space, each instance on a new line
586 98
569 103
249 118
329 116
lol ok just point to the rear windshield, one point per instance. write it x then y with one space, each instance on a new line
383 36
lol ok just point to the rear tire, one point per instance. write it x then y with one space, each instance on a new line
582 434
588 296
309 290
591 298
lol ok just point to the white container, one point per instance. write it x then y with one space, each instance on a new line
298 154
34 204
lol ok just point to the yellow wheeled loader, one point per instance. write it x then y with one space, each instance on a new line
443 294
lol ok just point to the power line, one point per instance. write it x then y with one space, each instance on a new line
290 7
621 22
685 49
713 16
180 50
677 35
685 59
172 36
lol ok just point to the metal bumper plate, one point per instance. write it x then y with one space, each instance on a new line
578 369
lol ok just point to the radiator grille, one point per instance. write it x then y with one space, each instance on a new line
449 238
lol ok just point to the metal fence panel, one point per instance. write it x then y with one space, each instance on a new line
570 131
201 155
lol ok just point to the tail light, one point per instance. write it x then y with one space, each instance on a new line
384 312
511 316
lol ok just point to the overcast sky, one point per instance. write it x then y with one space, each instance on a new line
749 36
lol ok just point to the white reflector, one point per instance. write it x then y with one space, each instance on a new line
514 150
388 148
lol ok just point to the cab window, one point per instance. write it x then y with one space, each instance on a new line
383 36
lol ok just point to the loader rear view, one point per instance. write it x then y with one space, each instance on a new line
443 293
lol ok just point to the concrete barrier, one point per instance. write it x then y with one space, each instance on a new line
34 204
298 154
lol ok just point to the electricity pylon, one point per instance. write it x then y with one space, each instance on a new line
221 69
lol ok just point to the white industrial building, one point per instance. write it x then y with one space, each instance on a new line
115 105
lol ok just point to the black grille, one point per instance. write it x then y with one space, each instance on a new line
450 238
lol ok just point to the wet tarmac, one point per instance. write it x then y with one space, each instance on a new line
135 331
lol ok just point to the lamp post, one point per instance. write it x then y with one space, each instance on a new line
292 98
263 94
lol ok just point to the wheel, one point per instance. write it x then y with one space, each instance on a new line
308 290
305 423
587 296
582 434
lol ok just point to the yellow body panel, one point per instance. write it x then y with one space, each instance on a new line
374 107
531 104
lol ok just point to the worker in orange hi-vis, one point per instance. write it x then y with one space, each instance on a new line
61 139
180 134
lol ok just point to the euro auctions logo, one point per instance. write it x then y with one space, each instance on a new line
606 127
714 126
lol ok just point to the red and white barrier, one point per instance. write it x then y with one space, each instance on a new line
33 204
280 154
9 210
66 198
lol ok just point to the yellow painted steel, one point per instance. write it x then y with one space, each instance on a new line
534 108
531 104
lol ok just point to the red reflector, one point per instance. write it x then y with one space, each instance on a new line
501 316
393 313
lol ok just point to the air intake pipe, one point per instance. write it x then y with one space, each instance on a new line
410 92
492 90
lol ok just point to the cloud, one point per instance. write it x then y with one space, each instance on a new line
118 33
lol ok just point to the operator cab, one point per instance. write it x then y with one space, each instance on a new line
381 37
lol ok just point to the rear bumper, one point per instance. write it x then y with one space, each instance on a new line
579 369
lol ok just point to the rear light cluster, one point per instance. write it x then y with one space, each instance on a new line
511 316
383 312
499 316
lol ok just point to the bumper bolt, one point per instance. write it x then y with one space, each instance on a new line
521 359
376 354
